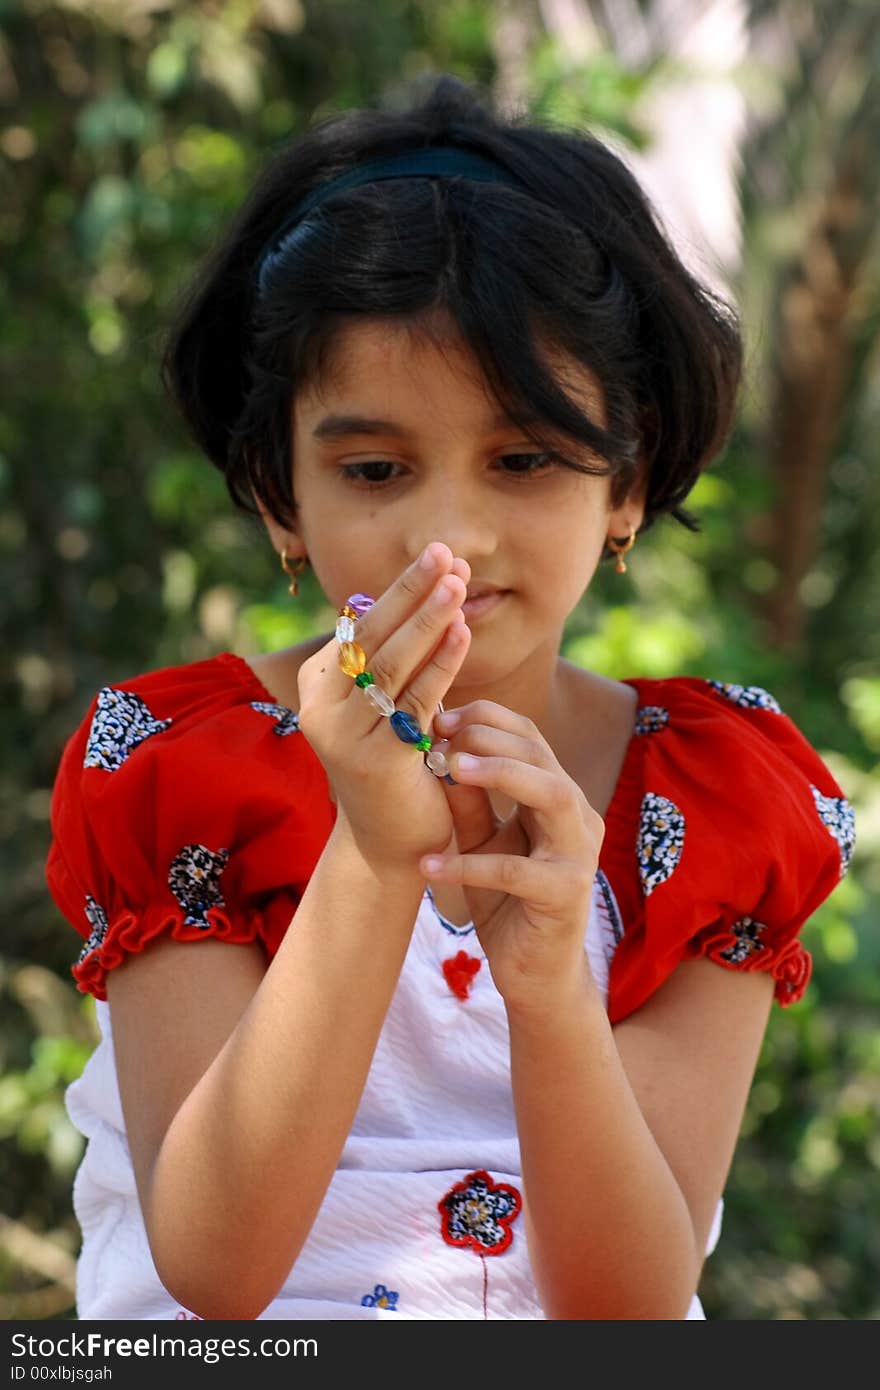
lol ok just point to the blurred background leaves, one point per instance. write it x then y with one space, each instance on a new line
129 131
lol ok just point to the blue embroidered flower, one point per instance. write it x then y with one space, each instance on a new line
477 1213
380 1298
121 721
192 879
660 840
287 722
746 931
97 920
839 818
749 696
650 719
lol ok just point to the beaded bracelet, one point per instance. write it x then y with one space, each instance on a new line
353 661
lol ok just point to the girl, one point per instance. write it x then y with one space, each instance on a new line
461 1027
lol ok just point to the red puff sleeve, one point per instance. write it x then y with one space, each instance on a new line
725 833
187 802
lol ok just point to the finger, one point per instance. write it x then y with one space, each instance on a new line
550 795
472 812
491 715
427 688
398 661
487 741
549 885
402 599
378 622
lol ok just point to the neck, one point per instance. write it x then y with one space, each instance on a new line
538 689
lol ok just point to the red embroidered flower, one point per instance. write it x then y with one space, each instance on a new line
460 971
477 1213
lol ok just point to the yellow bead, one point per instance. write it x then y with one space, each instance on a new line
352 658
346 611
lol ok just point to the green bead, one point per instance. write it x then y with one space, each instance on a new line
363 679
424 744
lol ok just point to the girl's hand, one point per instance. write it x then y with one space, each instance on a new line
415 643
527 880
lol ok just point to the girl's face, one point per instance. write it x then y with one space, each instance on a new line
402 444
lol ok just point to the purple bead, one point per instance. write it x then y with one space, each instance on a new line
361 603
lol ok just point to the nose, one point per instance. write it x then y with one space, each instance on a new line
461 519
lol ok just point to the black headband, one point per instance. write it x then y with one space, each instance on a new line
435 161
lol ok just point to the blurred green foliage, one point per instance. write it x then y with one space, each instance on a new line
128 134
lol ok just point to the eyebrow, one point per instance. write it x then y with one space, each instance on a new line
342 426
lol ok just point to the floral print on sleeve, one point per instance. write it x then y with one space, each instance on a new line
121 722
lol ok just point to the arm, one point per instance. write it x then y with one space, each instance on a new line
627 1137
239 1084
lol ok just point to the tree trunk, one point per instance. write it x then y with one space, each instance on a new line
811 369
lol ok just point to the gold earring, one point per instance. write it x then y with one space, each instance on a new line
292 573
621 549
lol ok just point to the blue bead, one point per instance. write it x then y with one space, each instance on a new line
405 726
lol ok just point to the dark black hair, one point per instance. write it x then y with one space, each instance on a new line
577 259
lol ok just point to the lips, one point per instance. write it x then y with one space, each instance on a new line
482 591
482 603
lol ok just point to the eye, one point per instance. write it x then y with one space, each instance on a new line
364 474
355 472
535 463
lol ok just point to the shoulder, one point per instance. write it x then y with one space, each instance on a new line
727 832
279 671
188 800
189 703
728 745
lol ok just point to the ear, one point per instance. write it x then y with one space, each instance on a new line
281 538
631 512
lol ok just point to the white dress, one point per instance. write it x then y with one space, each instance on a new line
436 1110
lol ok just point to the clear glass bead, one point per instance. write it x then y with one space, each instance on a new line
345 629
384 702
436 759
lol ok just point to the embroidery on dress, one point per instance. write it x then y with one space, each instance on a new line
748 696
120 723
650 719
97 920
611 910
459 972
838 816
746 931
287 722
380 1298
477 1213
464 930
660 840
192 879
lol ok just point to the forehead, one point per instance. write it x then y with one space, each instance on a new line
424 363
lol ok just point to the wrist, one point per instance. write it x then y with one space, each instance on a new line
551 1005
376 858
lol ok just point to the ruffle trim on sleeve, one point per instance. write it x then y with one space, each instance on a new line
129 933
741 949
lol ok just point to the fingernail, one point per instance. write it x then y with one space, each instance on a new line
449 719
428 559
466 763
